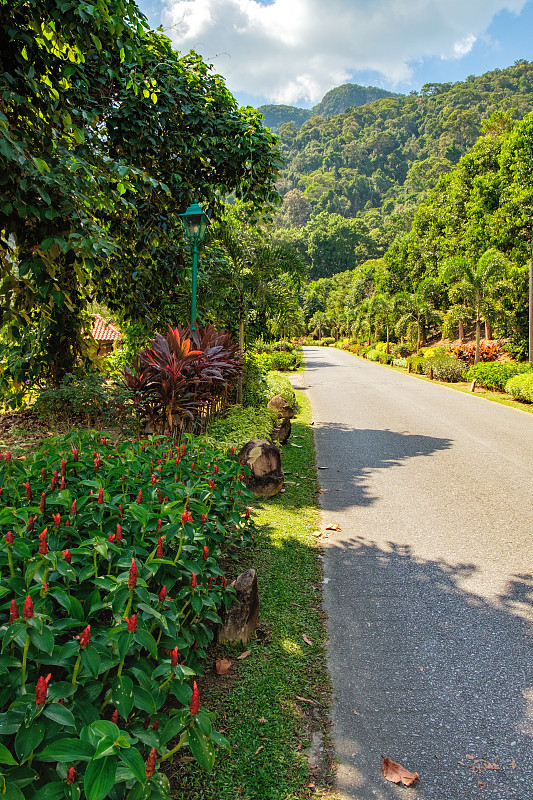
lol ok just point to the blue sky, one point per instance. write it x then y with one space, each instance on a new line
294 51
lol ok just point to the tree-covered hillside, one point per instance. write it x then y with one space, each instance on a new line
376 162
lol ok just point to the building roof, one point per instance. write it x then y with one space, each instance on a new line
103 331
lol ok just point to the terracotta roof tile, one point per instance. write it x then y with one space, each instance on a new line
104 332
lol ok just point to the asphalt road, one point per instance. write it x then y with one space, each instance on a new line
429 583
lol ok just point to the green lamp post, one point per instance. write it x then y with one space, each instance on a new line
195 223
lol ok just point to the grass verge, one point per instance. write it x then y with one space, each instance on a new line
273 703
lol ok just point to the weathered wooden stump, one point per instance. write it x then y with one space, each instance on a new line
282 431
264 460
281 406
240 620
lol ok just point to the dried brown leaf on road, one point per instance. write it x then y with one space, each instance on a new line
394 772
333 526
244 655
307 640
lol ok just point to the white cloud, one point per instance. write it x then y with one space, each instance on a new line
293 51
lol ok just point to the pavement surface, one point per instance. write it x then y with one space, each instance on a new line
429 583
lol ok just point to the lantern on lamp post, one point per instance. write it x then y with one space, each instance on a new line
195 223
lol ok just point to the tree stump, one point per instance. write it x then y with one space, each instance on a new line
264 460
281 406
282 431
240 620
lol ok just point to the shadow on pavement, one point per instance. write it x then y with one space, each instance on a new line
358 452
429 675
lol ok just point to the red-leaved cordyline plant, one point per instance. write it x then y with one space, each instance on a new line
132 577
195 700
13 612
71 776
85 637
41 690
159 549
174 657
151 762
132 623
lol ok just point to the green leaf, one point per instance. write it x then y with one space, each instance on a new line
51 791
60 714
133 759
28 738
43 640
99 778
146 640
12 792
144 700
173 726
12 632
67 750
90 658
122 695
202 748
5 756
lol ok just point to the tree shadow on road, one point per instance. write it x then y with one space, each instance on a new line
428 674
361 451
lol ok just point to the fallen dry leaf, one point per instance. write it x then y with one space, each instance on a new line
481 785
513 764
356 712
222 666
244 655
491 765
307 640
333 526
397 774
261 719
261 747
470 756
462 763
306 700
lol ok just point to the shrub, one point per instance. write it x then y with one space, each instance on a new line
495 374
400 362
270 347
416 363
254 385
400 350
521 387
240 425
281 360
445 368
373 355
112 583
488 351
280 384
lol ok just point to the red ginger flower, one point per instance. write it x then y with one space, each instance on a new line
153 479
183 450
42 504
140 496
119 532
53 482
131 623
203 518
27 608
247 513
57 520
186 517
29 494
43 544
67 556
63 468
41 689
225 583
232 450
209 582
193 581
211 484
43 474
7 455
62 484
73 508
71 775
195 700
13 612
85 637
206 552
97 463
100 496
159 550
120 510
158 526
75 454
162 594
31 523
155 726
174 657
151 762
216 468
114 717
9 537
111 537
62 701
122 478
132 577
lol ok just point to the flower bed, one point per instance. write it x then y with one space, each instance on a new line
111 589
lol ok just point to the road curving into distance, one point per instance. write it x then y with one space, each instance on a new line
429 582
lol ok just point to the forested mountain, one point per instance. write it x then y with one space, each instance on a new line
373 164
334 102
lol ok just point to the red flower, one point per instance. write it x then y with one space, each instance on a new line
62 701
62 484
97 463
162 594
186 517
9 537
119 532
247 513
73 509
193 581
71 775
211 484
158 526
174 657
13 612
74 454
63 468
159 550
178 459
42 504
120 510
225 583
206 552
183 450
131 623
209 582
114 717
155 726
67 556
43 544
100 496
57 520
195 700
41 689
43 474
29 494
132 577
216 468
151 762
122 478
153 479
203 518
45 586
85 637
7 455
140 496
111 537
146 723
232 450
67 525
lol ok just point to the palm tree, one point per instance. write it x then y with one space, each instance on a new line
418 310
476 284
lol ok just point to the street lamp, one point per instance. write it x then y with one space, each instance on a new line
195 223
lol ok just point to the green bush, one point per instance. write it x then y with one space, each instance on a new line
445 368
493 375
283 361
270 347
280 384
400 362
400 350
240 425
521 387
373 355
416 363
254 385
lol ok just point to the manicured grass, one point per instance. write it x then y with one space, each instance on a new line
258 703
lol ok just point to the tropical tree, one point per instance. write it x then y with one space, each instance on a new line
476 284
418 310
